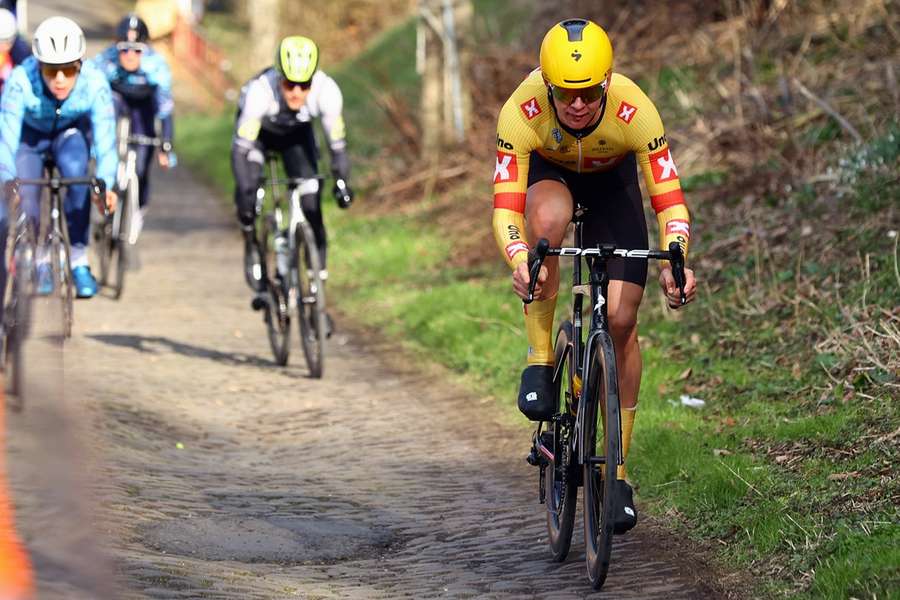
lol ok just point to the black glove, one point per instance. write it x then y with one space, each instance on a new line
342 193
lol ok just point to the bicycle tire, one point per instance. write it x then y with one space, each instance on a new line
121 238
561 485
102 242
18 319
598 493
61 256
309 295
277 313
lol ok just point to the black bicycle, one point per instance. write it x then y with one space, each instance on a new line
291 268
50 239
574 449
116 235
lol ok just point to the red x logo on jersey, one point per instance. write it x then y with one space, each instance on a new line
506 168
663 166
626 112
531 108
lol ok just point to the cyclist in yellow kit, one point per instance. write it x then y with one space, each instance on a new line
575 132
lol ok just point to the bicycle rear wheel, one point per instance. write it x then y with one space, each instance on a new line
599 406
277 315
310 298
561 485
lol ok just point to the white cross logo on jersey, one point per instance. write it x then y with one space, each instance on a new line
501 167
531 108
678 226
668 167
626 112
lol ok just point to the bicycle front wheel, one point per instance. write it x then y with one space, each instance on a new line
600 415
61 269
121 238
561 485
277 315
104 246
17 320
310 298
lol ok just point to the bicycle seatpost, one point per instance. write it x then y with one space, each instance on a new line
536 257
677 262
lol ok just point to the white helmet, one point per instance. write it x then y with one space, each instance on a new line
8 26
57 41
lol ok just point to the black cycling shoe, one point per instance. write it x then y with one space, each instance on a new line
625 514
537 399
259 302
252 266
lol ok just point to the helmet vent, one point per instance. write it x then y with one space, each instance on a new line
574 27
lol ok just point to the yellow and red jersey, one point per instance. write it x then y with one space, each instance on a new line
630 123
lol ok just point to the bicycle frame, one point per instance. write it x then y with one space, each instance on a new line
596 290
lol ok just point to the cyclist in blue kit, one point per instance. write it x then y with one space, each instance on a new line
51 104
142 91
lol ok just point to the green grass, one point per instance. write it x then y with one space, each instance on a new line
784 473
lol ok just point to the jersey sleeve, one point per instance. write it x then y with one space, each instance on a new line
103 122
515 141
331 106
249 122
161 76
12 110
645 130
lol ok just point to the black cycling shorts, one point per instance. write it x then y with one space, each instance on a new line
614 209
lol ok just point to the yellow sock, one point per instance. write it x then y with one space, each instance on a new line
627 426
539 328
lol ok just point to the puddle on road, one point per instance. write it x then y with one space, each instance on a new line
282 540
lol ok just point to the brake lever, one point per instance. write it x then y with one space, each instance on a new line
98 188
677 262
536 257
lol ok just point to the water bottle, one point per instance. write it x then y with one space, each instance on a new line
281 253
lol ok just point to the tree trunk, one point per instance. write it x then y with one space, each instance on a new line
264 16
432 78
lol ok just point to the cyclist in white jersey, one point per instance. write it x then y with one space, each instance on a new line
275 113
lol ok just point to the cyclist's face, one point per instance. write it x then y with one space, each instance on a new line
580 108
130 55
294 93
5 47
61 78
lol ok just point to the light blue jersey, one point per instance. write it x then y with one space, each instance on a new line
27 100
152 77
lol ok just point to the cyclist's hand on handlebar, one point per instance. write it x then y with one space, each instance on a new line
111 199
670 288
521 280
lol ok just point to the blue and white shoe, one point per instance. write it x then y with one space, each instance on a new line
85 284
44 280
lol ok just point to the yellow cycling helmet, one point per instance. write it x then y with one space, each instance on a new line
297 58
575 54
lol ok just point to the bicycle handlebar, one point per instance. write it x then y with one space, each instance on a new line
536 257
293 180
98 186
144 140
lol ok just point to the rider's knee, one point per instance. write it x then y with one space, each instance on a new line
623 325
548 221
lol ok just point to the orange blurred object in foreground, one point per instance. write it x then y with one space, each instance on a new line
16 579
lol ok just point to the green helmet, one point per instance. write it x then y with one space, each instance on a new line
297 58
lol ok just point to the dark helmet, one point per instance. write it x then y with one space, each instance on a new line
132 29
